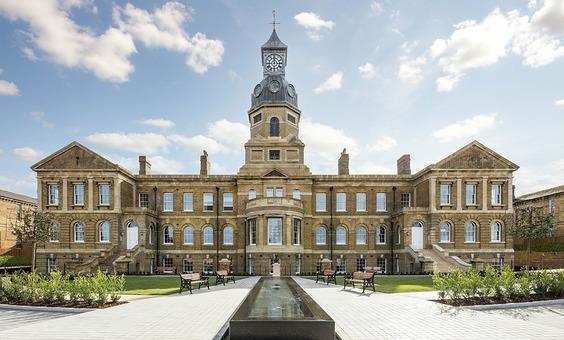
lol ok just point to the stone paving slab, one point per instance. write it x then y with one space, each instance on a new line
177 316
412 315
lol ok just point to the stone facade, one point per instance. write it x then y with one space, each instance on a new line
11 207
274 209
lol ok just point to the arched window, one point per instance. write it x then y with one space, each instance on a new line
471 229
398 234
381 235
228 235
78 232
341 235
321 236
496 232
151 231
360 235
54 232
188 235
208 235
168 235
445 231
252 194
105 231
274 127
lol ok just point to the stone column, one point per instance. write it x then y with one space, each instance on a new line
485 193
510 195
64 206
289 231
40 202
117 194
414 200
432 193
459 194
90 194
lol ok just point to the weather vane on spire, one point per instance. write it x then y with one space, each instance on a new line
274 23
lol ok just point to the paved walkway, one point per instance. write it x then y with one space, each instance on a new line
177 316
409 316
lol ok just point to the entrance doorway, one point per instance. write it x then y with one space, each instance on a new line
132 235
417 235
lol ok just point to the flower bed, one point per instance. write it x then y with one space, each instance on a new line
59 290
459 288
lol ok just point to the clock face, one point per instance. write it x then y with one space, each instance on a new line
258 90
274 63
291 90
274 86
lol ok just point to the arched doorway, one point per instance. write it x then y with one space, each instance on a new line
417 235
132 235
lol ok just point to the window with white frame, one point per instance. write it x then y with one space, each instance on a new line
471 230
496 232
143 200
274 230
340 201
250 265
551 206
208 201
53 194
168 235
208 266
279 192
51 265
104 193
105 231
320 236
360 264
78 232
496 194
445 194
380 201
297 231
296 194
320 201
298 264
398 234
167 262
341 265
228 235
445 231
471 194
151 231
360 201
381 235
382 263
168 201
188 235
269 192
252 194
252 223
54 232
405 199
360 235
208 235
188 201
227 201
78 194
187 266
340 235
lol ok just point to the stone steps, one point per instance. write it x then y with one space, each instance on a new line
441 264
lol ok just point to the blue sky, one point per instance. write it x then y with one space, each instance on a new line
381 78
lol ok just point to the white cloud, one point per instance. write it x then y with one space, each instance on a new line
383 143
41 118
27 154
198 143
162 165
314 24
332 83
233 133
159 123
368 167
408 47
367 71
411 70
465 128
29 54
163 28
559 102
26 185
8 88
142 143
376 8
528 179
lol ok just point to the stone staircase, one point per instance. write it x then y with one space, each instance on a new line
437 260
107 265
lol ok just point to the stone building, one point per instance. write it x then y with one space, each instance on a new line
12 206
452 213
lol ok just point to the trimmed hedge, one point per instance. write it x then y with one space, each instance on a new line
546 247
12 261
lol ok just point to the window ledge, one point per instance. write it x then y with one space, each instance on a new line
471 242
187 244
50 241
78 241
446 242
497 241
380 244
105 242
208 244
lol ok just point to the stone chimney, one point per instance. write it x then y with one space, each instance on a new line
404 165
144 166
343 163
204 164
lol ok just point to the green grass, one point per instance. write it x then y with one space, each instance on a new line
397 283
156 285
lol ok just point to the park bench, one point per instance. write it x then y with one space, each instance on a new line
224 277
166 270
361 278
187 280
327 275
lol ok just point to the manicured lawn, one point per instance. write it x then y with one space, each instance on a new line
157 285
397 283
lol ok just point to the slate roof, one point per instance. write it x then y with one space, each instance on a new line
17 197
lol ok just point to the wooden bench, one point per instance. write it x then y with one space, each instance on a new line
360 278
224 277
187 280
166 270
327 275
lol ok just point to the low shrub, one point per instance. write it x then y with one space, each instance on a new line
14 261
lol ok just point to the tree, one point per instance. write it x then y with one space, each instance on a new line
532 223
32 227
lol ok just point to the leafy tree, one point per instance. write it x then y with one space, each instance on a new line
33 227
532 223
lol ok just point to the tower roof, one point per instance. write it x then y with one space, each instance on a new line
274 41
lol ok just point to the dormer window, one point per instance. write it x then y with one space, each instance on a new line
257 118
274 127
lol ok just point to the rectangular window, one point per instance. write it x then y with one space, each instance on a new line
297 231
252 231
279 192
143 200
53 194
79 194
18 212
274 155
167 262
551 206
360 201
252 194
298 265
320 201
188 266
168 201
51 265
496 194
257 118
382 264
208 266
104 194
341 202
360 264
291 119
269 192
274 231
470 194
227 201
188 201
251 266
405 200
380 201
341 265
445 194
296 194
208 201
